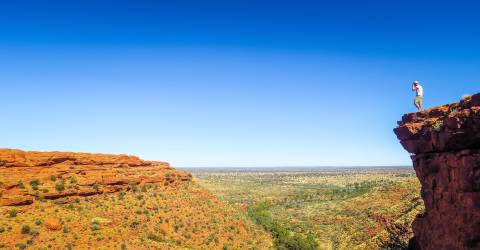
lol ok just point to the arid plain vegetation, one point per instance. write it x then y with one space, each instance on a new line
64 200
357 208
145 217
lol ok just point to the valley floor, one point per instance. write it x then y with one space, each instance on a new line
346 208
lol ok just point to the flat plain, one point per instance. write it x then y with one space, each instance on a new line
323 208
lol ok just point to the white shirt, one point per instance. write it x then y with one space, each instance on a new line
419 90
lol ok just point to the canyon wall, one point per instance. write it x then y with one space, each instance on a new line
444 144
26 177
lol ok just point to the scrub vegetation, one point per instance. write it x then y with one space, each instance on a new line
357 208
144 217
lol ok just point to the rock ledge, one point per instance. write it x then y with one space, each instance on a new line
29 176
445 147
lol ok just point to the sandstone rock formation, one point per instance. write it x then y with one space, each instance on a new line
445 147
29 176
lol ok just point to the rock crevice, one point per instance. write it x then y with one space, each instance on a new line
444 143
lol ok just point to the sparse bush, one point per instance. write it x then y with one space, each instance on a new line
134 224
25 229
21 184
438 125
34 184
283 238
398 235
121 195
154 237
38 222
21 246
69 246
96 186
73 180
12 213
60 186
133 186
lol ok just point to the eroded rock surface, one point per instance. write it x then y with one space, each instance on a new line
445 147
29 176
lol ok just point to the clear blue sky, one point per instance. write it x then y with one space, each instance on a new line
230 83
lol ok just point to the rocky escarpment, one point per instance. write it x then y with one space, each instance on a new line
445 147
29 176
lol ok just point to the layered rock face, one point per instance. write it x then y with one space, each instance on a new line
445 147
29 176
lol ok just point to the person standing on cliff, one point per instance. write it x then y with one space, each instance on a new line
419 96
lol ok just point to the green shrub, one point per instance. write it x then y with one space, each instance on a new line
134 224
96 186
69 246
12 213
21 246
283 238
60 186
154 237
73 180
121 195
38 222
438 125
34 184
20 184
25 229
398 235
133 186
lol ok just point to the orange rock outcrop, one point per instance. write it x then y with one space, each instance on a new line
445 147
29 176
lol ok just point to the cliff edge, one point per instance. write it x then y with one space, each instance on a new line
29 176
445 147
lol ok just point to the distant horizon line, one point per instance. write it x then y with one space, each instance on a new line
324 166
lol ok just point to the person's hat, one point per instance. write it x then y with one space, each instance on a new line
415 82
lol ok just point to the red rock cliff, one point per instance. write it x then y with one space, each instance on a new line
29 176
445 147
